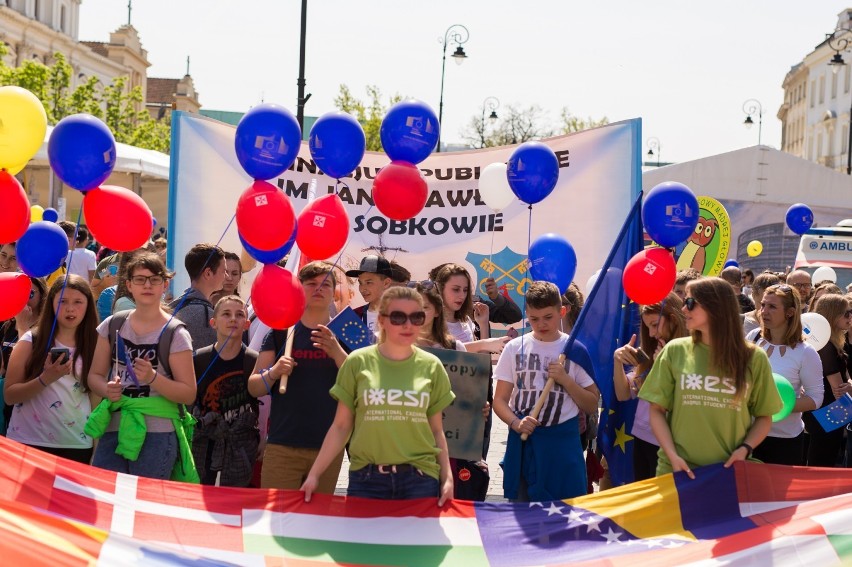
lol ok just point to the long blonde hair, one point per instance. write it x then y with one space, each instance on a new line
391 294
831 306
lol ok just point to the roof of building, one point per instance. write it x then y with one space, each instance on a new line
161 90
233 118
98 47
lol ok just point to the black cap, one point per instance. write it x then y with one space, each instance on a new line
372 265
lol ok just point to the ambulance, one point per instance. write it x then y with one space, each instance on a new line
828 246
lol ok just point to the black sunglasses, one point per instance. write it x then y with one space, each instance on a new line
399 318
425 285
690 303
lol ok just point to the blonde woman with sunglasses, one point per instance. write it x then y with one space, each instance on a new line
390 396
780 336
712 394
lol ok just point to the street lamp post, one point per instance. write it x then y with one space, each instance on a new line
654 144
458 35
750 107
301 98
840 40
490 103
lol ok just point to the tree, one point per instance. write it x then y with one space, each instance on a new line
113 103
517 125
370 115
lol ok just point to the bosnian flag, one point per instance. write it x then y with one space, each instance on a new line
59 512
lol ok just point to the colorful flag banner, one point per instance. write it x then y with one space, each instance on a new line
59 512
350 329
836 414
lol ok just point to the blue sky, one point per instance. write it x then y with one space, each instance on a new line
685 68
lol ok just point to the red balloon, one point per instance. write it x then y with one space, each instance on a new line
399 190
265 216
649 276
277 297
323 228
118 218
15 211
14 294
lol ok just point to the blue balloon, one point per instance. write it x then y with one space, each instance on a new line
410 131
269 256
800 218
42 249
732 264
670 212
81 151
533 170
50 215
337 143
267 141
552 259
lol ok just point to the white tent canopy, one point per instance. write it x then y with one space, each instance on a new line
759 174
129 159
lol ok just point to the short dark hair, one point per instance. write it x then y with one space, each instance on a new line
399 274
685 276
202 256
543 294
732 275
313 269
82 234
67 227
150 261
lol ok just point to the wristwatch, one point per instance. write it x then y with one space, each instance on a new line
749 449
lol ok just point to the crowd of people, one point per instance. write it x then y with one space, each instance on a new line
102 367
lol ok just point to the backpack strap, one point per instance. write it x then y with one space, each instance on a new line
165 343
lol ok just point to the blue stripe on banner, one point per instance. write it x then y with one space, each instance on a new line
548 533
709 506
174 162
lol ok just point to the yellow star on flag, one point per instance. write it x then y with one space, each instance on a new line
622 438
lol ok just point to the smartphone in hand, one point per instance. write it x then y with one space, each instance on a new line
511 333
641 357
59 354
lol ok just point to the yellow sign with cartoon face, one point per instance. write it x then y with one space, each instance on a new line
706 251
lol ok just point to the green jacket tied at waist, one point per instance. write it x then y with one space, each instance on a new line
132 430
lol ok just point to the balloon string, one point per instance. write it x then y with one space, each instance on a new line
491 254
64 282
524 313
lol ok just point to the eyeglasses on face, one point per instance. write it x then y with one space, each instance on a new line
142 280
805 285
424 285
399 318
848 313
690 303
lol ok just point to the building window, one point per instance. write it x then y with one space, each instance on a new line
36 9
62 20
834 85
844 142
813 92
822 89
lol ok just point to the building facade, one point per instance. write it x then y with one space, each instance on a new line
36 29
815 115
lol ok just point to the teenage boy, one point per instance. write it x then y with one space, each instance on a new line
549 465
302 415
226 437
205 264
375 275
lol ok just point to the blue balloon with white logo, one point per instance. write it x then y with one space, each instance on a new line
532 171
81 151
267 141
269 256
410 131
800 218
731 263
669 213
337 143
42 249
553 259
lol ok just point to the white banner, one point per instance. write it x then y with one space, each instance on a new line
598 181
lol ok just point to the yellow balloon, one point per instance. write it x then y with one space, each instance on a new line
36 213
754 248
23 124
16 169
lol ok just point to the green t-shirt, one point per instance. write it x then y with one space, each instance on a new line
706 420
392 402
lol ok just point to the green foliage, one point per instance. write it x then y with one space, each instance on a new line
571 123
369 114
114 103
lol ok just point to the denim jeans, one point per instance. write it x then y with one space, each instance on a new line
368 482
156 459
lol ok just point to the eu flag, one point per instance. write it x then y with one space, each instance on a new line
836 414
606 322
350 330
